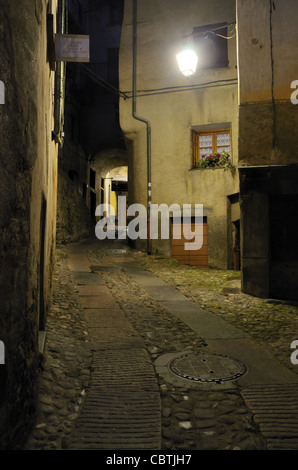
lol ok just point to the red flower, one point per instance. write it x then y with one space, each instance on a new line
210 158
217 155
203 156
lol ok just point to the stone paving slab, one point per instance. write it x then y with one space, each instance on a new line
104 318
147 279
122 410
205 324
275 409
87 278
105 300
163 293
77 266
78 262
94 290
114 338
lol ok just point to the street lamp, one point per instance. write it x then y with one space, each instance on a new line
187 62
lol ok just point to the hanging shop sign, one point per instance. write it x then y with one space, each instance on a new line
72 48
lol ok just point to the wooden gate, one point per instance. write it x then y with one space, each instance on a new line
190 257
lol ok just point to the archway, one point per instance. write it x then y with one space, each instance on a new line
111 176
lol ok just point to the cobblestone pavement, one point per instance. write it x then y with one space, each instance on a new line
272 323
191 419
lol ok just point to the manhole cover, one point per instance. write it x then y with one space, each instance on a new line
204 367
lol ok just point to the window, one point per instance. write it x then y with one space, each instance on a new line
211 45
92 178
209 143
115 13
112 60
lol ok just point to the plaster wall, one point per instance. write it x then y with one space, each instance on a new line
267 66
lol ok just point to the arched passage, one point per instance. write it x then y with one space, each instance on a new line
111 168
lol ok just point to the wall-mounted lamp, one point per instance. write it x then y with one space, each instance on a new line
187 61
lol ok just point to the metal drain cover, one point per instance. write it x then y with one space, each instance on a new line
207 367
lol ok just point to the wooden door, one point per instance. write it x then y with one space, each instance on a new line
190 257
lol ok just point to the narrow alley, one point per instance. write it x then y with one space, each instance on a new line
106 381
148 220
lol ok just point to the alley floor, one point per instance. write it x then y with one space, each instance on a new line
143 353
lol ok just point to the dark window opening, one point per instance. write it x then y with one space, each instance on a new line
92 178
283 228
212 49
115 13
112 61
119 186
84 191
92 204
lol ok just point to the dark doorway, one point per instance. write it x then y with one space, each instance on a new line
92 178
283 218
92 204
236 244
102 191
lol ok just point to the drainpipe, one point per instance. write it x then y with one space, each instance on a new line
59 79
135 116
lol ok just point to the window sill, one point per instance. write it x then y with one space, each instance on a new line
211 168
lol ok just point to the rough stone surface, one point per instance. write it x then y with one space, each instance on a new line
27 184
73 218
190 419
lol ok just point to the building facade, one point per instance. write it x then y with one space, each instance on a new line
268 156
237 101
189 117
30 121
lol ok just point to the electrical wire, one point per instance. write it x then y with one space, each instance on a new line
176 89
225 37
156 91
166 90
194 34
103 82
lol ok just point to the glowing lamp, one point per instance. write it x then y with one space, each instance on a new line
187 62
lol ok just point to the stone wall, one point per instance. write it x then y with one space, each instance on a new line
74 220
27 207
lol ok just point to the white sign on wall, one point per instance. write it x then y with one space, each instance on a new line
72 48
2 353
2 92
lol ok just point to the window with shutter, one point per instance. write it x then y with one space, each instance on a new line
209 144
